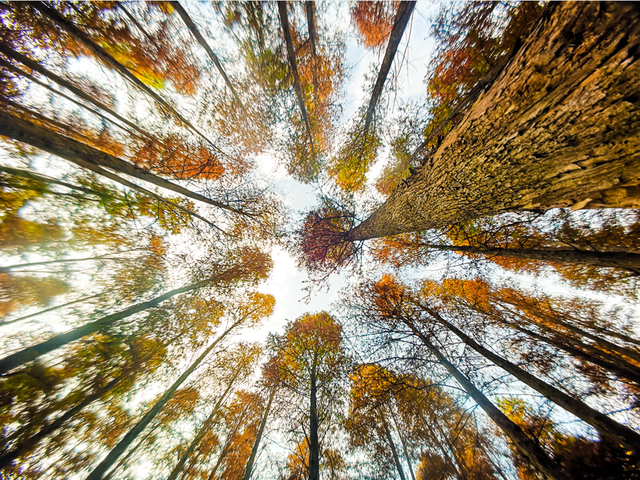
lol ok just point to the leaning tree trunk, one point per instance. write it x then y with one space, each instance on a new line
248 469
204 429
626 260
524 444
132 434
558 127
399 25
603 424
394 451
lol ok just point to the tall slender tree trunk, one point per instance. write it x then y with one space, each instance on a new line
603 424
404 444
524 444
203 43
47 310
206 426
109 60
37 67
297 84
314 445
310 10
392 445
31 353
248 469
83 155
28 444
447 451
399 25
558 127
107 256
128 439
627 260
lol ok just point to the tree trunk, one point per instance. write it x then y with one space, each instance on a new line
128 439
297 84
314 445
394 452
86 156
524 444
26 445
204 429
256 444
399 25
559 127
46 310
36 67
603 424
31 353
109 60
107 256
203 43
310 9
629 261
404 445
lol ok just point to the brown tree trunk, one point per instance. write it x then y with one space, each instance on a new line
314 445
524 444
399 25
626 260
297 84
559 127
310 9
603 424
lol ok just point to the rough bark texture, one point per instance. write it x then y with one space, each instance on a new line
559 127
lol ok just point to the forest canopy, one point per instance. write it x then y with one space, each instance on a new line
319 240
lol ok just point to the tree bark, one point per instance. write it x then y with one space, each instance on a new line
559 127
124 443
399 25
603 424
524 444
404 444
394 452
46 310
310 9
84 155
314 445
109 60
31 353
297 84
25 446
626 260
108 256
36 67
256 444
203 43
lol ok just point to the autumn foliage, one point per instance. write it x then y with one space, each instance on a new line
374 21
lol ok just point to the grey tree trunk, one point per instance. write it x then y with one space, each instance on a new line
558 127
603 424
297 84
314 444
128 439
524 444
399 25
392 445
204 429
310 10
47 310
256 444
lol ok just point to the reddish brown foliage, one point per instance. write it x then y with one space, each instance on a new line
374 21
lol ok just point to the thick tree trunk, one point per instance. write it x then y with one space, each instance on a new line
248 469
109 60
524 444
203 43
36 67
31 353
392 445
399 25
204 429
603 424
86 156
559 127
297 84
626 260
26 445
314 444
128 439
